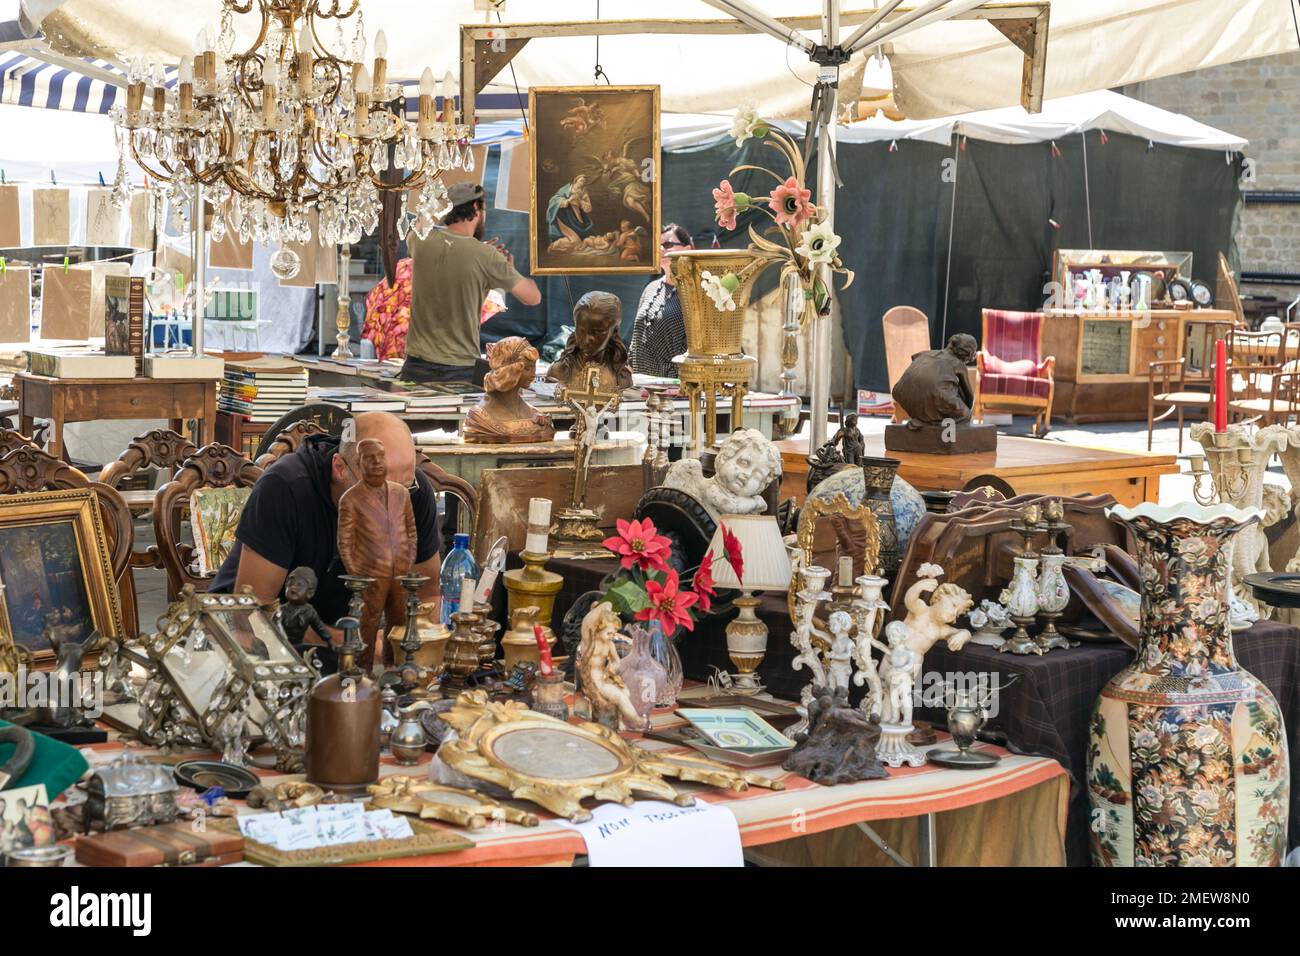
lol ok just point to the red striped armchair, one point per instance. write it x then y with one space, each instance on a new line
1012 374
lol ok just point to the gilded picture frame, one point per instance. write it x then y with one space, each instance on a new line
594 171
54 557
838 509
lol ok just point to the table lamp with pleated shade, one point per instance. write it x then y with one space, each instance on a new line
766 567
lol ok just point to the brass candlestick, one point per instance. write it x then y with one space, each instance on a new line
1022 592
461 657
533 586
357 585
487 634
1053 593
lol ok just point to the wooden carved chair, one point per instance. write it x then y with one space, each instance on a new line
1013 374
907 331
28 469
459 488
212 466
289 441
161 448
10 439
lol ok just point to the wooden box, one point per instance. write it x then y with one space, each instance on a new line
172 844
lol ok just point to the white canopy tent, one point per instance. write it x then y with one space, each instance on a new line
939 69
947 55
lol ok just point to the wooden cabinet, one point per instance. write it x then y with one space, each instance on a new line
1102 358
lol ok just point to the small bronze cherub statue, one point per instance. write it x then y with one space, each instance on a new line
297 615
845 447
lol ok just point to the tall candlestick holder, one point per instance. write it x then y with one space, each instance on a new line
357 585
1021 594
1230 464
1053 591
533 586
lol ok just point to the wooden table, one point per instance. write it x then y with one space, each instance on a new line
1027 464
63 400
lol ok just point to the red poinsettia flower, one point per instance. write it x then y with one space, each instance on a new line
703 582
790 204
668 605
638 543
735 556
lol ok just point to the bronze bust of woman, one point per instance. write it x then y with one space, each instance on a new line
502 416
595 341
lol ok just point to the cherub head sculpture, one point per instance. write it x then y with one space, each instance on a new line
746 463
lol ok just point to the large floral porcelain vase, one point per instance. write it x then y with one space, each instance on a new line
1187 757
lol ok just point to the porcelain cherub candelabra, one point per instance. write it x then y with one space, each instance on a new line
926 624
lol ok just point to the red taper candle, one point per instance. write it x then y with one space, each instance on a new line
543 651
1220 385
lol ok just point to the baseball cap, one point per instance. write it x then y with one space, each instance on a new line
461 193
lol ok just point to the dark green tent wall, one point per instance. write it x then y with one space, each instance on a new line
893 213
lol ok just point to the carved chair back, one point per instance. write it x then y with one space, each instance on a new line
10 439
161 448
212 466
28 469
443 483
288 441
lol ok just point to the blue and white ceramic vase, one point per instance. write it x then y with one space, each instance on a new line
1187 757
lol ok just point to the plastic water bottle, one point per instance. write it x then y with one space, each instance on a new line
457 565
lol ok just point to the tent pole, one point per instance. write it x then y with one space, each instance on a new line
819 356
199 226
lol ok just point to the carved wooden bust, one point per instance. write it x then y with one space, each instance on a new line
595 342
502 416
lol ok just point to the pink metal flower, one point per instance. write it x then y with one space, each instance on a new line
790 204
724 205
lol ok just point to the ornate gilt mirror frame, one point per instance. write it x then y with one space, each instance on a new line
838 506
433 801
556 765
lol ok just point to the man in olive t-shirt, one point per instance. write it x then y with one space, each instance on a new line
452 271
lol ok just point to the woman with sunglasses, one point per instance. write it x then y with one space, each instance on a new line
659 332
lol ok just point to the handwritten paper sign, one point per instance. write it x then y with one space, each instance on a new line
654 833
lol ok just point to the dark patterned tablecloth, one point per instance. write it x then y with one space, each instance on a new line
1044 712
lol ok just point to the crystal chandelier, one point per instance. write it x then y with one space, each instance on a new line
287 125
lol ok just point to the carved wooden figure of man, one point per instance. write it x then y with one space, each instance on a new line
377 539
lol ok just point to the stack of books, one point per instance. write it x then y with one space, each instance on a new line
262 389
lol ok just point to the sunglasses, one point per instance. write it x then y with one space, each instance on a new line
411 488
673 245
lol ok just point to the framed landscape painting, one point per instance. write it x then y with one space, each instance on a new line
595 180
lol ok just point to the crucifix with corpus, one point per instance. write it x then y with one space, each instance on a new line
591 404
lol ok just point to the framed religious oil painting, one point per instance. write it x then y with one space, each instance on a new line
57 573
595 180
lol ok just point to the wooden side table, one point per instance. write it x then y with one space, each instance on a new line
63 400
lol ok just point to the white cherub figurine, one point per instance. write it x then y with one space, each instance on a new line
927 624
745 465
842 648
901 664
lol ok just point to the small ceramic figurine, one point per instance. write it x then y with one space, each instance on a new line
900 663
297 616
595 342
502 416
990 620
935 388
841 652
745 465
377 539
597 669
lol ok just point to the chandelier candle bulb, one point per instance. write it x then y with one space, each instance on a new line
185 76
135 88
159 88
270 79
448 98
362 113
425 116
305 61
381 63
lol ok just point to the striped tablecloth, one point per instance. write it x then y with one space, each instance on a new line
764 816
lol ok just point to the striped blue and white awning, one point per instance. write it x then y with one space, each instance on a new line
27 81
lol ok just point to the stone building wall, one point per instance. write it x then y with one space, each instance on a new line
1259 100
